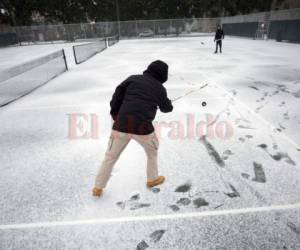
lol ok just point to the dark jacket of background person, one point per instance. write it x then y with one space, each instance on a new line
135 101
219 34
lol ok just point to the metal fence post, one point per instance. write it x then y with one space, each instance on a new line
84 29
153 27
136 28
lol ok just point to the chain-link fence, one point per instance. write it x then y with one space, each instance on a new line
290 14
128 29
279 25
65 32
283 24
167 28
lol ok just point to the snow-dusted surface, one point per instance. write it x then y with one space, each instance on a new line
253 88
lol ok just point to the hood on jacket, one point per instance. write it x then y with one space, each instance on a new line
159 70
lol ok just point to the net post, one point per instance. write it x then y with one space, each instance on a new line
74 53
65 59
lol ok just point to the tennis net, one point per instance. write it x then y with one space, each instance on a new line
20 80
83 52
112 40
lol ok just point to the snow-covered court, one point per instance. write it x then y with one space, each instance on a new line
232 167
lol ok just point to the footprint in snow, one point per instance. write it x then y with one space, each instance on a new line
154 238
259 173
183 188
133 203
241 139
135 197
226 154
142 245
157 235
278 156
245 175
137 205
174 208
200 202
183 201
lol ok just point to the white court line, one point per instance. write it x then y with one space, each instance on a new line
151 217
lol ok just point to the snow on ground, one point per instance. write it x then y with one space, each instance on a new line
46 177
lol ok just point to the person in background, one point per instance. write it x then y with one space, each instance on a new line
133 108
219 36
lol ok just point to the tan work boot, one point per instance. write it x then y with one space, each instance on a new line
97 191
157 181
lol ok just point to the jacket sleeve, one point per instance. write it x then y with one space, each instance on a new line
117 98
165 104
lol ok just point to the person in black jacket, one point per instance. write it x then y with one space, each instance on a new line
133 108
219 36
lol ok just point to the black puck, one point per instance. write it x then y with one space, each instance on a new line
203 104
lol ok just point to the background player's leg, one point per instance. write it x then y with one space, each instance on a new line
117 143
218 45
216 51
221 46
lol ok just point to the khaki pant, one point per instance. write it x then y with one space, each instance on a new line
117 143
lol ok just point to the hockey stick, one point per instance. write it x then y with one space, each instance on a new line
189 92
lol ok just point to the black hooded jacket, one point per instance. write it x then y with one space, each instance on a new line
219 34
135 101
